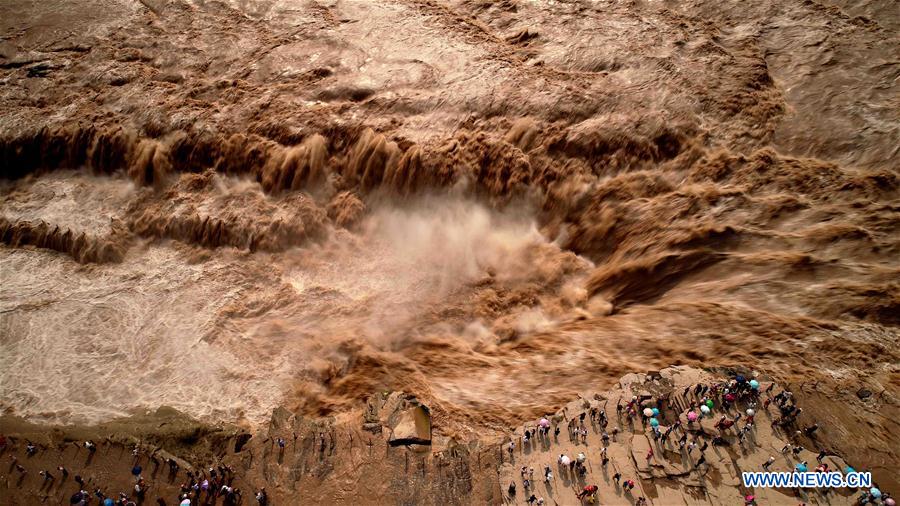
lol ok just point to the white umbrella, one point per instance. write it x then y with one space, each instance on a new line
565 460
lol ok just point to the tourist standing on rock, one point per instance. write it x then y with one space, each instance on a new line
588 490
262 498
768 463
617 477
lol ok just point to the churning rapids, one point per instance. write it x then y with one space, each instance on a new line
229 206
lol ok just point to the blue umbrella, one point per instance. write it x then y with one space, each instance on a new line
875 492
754 384
655 412
849 470
136 470
108 502
654 422
801 467
740 378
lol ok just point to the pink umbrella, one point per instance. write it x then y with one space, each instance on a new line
692 416
544 423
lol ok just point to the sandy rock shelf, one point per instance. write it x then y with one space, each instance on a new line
384 454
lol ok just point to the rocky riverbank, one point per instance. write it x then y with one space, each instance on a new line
389 453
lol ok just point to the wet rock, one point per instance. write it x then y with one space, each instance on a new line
240 441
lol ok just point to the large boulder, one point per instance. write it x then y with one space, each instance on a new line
413 427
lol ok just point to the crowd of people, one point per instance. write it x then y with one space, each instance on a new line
213 485
736 401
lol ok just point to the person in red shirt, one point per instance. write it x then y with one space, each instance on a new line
588 490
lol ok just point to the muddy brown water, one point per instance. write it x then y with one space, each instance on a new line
229 206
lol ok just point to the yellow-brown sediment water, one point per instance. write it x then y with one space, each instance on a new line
227 207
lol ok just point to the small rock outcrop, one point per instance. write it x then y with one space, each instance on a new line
413 427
